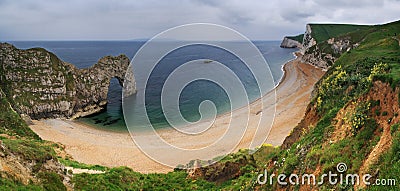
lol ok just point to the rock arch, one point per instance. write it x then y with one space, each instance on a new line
43 86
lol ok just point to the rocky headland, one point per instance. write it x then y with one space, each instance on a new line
320 49
290 43
40 85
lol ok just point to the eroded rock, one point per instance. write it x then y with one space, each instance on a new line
43 86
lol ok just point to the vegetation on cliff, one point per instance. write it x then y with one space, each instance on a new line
298 38
26 161
323 32
292 41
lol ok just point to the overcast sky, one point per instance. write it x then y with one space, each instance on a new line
134 19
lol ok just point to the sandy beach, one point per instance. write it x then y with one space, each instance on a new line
93 146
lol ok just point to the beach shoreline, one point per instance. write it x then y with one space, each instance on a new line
93 146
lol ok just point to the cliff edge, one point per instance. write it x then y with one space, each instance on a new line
287 42
322 44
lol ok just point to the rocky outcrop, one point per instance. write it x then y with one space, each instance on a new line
308 40
220 171
320 54
290 43
40 85
311 53
318 58
325 57
20 167
310 118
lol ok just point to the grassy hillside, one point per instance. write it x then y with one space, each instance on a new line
379 50
10 122
298 38
346 95
323 32
24 155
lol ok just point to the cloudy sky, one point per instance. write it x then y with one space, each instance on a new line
135 19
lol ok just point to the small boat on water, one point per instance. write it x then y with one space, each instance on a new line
207 61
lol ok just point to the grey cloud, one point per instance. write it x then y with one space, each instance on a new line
105 19
349 4
296 16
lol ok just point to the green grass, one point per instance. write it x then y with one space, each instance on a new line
351 76
394 128
323 32
389 165
123 178
31 150
11 123
51 181
298 38
75 164
358 64
28 147
9 184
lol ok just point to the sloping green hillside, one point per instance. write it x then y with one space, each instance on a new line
10 122
323 32
24 157
350 97
298 38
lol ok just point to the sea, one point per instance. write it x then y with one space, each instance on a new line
84 54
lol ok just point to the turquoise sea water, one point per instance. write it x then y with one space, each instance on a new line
85 53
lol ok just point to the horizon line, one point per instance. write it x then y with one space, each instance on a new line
116 40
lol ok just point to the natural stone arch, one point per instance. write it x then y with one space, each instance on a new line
95 81
43 86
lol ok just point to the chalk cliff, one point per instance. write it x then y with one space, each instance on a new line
290 43
324 49
41 85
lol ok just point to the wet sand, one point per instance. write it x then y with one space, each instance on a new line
93 146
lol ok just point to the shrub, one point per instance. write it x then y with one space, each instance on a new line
51 181
394 128
75 164
359 116
31 150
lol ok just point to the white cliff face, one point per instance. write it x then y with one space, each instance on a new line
314 55
340 45
290 43
316 59
308 40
